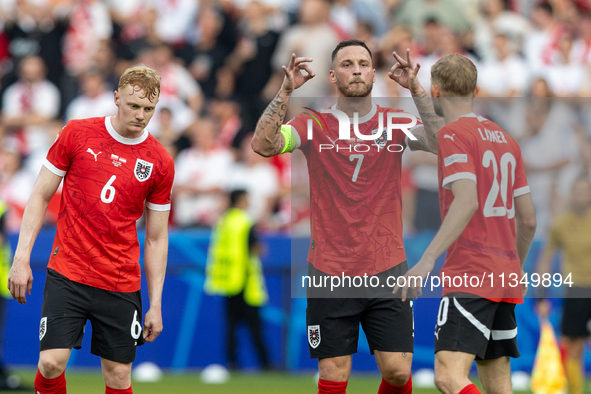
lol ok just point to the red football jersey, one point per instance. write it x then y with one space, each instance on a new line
476 148
107 180
356 210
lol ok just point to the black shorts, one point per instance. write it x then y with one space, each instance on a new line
576 315
333 323
115 317
475 325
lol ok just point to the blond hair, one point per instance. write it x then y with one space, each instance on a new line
455 75
144 78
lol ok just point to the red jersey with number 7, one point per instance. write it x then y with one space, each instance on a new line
107 181
485 255
356 210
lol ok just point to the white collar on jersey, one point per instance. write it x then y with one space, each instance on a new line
365 118
473 115
119 138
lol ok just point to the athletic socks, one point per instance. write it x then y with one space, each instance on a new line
110 390
470 389
574 376
50 386
327 387
388 388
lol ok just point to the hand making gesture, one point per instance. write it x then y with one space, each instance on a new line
294 78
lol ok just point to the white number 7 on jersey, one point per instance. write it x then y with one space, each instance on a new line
357 166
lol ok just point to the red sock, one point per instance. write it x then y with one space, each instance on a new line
388 388
110 390
470 389
50 386
326 387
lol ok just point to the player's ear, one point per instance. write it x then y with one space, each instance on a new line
116 98
374 75
476 91
332 77
435 92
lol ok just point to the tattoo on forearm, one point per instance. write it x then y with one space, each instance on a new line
419 143
432 122
269 125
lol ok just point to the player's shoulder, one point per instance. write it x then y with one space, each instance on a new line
96 122
160 151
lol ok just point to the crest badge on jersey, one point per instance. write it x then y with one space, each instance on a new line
42 328
314 336
143 170
382 140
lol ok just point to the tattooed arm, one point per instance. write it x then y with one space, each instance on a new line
407 78
268 140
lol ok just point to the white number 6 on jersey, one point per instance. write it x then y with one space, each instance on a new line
110 190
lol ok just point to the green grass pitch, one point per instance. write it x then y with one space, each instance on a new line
91 382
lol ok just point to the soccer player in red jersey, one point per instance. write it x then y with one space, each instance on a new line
111 168
356 218
487 229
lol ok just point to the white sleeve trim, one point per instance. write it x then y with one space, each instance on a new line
521 191
454 177
158 207
54 169
298 139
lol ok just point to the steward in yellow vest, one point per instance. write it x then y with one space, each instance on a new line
234 270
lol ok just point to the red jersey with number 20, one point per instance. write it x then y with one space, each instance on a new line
354 194
485 255
107 180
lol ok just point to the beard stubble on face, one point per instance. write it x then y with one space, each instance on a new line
349 90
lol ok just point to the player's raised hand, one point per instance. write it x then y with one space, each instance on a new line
405 71
413 280
152 324
294 77
20 280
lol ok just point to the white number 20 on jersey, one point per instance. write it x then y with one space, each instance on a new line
488 160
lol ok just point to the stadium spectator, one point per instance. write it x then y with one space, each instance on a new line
479 236
505 74
174 19
234 271
349 203
250 61
94 270
259 177
29 105
180 92
311 37
565 76
226 112
540 42
95 99
570 234
201 173
207 56
16 184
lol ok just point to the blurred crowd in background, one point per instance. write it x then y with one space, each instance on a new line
220 63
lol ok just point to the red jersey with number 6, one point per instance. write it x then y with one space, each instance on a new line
107 181
485 255
354 192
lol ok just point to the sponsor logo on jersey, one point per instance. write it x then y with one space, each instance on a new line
451 137
42 328
94 154
314 336
143 170
457 158
117 160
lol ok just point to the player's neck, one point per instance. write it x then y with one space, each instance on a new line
350 105
120 129
454 109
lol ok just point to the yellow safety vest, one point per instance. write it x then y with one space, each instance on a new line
231 268
5 259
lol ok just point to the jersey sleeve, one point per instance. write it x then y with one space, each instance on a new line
60 154
456 157
159 198
521 186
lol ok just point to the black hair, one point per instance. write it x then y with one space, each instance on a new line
235 196
350 43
